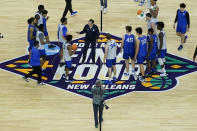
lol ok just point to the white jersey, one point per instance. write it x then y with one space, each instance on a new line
154 18
60 33
40 35
40 21
66 54
112 48
164 47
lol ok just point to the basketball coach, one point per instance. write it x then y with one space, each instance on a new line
92 34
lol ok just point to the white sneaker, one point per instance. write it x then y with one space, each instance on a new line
105 10
26 79
102 8
163 74
126 74
141 79
41 84
135 76
133 72
160 71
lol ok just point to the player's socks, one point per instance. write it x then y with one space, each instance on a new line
186 36
102 8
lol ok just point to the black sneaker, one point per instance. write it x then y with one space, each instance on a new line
96 126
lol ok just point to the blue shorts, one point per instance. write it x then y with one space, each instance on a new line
46 33
110 62
140 59
42 52
127 55
152 56
181 29
162 54
68 64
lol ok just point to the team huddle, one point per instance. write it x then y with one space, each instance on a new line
140 48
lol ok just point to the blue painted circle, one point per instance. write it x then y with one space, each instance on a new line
51 51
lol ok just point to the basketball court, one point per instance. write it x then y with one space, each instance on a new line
161 104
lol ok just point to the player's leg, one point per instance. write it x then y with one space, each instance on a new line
142 72
126 57
154 64
39 72
30 74
148 68
109 65
68 65
114 70
133 66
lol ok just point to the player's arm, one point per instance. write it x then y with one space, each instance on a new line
176 19
188 20
137 48
31 30
106 52
71 52
97 32
154 12
83 31
122 44
151 46
161 41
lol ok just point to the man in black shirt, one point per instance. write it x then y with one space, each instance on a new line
92 34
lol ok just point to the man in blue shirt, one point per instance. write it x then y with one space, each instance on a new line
35 63
183 24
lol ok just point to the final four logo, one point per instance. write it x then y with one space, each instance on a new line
85 75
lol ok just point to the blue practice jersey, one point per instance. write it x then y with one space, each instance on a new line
142 46
182 20
129 43
155 43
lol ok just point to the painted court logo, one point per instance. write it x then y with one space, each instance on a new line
85 75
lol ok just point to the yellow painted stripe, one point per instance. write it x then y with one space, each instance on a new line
78 82
154 87
21 61
120 82
11 65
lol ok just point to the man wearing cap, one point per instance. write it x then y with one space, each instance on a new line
98 99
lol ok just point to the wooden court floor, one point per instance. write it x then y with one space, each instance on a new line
27 107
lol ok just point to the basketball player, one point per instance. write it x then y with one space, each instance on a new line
152 52
140 54
110 58
162 48
151 23
128 46
42 41
45 18
62 31
183 24
66 53
31 35
35 63
154 10
104 6
38 15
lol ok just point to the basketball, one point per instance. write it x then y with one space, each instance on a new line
74 47
139 12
